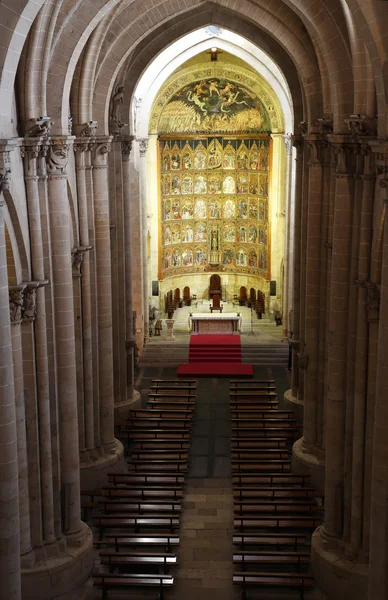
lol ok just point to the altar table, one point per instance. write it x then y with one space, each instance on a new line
222 323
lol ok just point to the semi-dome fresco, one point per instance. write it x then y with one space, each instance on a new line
214 105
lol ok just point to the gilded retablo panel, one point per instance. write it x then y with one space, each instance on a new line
214 204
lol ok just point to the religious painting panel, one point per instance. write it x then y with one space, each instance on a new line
187 233
187 209
200 209
187 258
200 232
187 185
242 209
214 209
229 232
234 172
176 234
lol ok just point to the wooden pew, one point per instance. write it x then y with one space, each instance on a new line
277 506
147 479
139 540
161 413
160 403
239 383
259 444
265 432
260 466
173 392
260 454
157 434
159 454
170 466
270 493
264 580
155 422
141 493
272 540
109 581
150 445
246 394
296 523
192 383
124 505
270 479
257 422
259 413
270 559
248 403
136 522
160 560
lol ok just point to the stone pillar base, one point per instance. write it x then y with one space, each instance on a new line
294 404
94 474
60 576
121 408
335 575
304 462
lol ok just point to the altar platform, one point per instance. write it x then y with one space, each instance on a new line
223 323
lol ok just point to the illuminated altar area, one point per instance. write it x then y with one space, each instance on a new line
217 177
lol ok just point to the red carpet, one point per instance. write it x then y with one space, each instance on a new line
218 355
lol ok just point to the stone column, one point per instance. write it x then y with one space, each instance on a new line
57 158
289 244
338 330
143 146
129 338
10 588
104 291
312 310
82 157
298 143
378 579
30 153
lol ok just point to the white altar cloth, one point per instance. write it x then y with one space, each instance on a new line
210 323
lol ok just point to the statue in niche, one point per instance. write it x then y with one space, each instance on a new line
214 240
117 109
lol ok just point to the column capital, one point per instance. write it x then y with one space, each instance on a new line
143 145
126 147
345 149
317 143
373 301
6 147
38 128
287 139
16 303
361 125
57 155
77 257
86 130
101 146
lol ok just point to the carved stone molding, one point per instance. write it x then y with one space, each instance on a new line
324 125
101 147
116 123
360 125
57 157
77 257
29 302
39 128
4 179
126 147
16 303
317 145
143 146
88 130
304 127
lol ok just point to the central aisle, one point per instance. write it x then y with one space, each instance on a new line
205 554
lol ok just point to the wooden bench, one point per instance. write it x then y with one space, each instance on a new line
156 466
270 479
270 493
142 540
257 466
279 522
124 505
268 559
149 445
152 422
161 403
247 394
156 453
257 422
161 560
161 413
141 493
265 432
260 454
272 540
268 580
157 434
278 506
135 522
147 479
259 413
238 383
258 444
173 392
176 382
109 581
